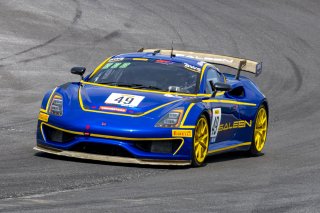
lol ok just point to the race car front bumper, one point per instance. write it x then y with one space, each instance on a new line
165 150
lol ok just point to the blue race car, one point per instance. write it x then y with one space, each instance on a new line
158 107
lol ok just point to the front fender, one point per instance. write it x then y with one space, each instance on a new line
192 114
46 99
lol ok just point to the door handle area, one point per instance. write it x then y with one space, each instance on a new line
230 110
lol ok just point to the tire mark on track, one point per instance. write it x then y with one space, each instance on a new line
78 14
44 56
111 35
75 20
297 73
41 57
34 47
107 37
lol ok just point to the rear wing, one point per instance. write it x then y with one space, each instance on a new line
233 62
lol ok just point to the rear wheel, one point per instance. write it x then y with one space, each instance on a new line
200 142
260 131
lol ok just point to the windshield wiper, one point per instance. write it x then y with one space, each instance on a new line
148 87
119 84
135 86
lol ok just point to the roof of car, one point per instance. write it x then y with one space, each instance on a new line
179 59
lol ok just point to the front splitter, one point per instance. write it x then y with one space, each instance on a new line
113 159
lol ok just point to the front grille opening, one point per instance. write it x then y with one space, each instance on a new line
101 149
55 135
159 146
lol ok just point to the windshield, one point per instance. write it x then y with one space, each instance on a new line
149 74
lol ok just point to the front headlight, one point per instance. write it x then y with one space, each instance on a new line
171 119
56 105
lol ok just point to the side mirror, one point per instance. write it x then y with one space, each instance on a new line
78 71
219 87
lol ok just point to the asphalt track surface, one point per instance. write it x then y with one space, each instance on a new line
41 40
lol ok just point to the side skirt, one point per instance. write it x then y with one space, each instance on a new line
228 146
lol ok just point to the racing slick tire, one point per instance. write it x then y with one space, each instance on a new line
259 131
200 142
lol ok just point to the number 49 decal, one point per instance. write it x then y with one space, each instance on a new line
216 118
124 99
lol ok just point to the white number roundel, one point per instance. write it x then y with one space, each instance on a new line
124 99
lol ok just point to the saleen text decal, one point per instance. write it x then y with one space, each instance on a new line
235 125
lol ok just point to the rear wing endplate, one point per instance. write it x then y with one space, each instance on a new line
237 63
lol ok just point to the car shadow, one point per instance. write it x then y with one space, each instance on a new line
64 158
229 156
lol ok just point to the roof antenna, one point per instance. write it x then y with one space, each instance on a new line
140 50
156 52
172 55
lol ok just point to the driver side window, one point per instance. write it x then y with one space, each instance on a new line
215 76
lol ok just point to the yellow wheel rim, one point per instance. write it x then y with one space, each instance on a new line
260 129
201 140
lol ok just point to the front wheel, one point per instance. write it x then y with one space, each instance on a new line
260 131
200 142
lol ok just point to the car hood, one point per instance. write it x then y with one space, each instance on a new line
123 100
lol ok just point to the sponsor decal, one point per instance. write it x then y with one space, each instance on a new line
43 117
163 61
119 65
110 108
169 95
191 67
190 56
201 63
124 99
124 65
215 123
221 60
235 125
172 95
182 133
115 65
115 59
107 65
207 58
217 111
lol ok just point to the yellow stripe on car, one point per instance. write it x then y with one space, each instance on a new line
185 116
229 147
61 129
99 67
49 100
229 102
179 148
139 59
114 113
202 71
112 137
